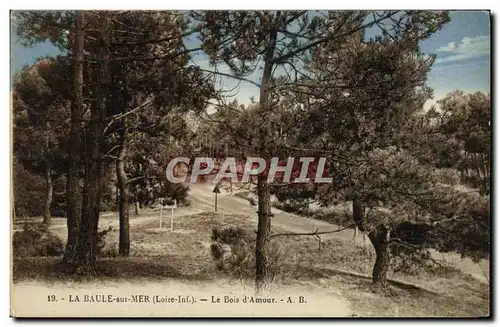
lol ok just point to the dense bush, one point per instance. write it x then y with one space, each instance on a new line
29 192
36 240
289 206
295 199
469 233
229 249
408 260
178 192
447 176
233 250
165 192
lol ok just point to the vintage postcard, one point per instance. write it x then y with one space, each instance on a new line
301 163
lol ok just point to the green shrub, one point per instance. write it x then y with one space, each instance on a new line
35 240
29 192
108 251
233 250
178 192
229 249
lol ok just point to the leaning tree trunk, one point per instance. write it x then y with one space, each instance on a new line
124 196
380 238
72 180
262 269
91 207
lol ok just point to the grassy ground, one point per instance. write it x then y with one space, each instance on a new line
184 255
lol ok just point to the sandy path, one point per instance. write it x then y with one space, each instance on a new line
110 219
203 199
297 224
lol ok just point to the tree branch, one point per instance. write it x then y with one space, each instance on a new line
329 38
315 233
135 179
231 76
165 39
120 116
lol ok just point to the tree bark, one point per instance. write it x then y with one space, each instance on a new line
262 275
48 178
72 181
380 238
48 197
124 244
358 215
124 196
91 207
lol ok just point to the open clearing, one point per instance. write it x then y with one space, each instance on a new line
180 260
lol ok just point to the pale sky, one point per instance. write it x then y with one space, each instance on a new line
462 48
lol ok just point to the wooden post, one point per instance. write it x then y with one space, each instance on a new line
216 190
161 215
215 202
172 215
172 219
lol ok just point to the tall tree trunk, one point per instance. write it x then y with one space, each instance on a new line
262 274
48 178
48 197
91 207
380 238
124 196
72 181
